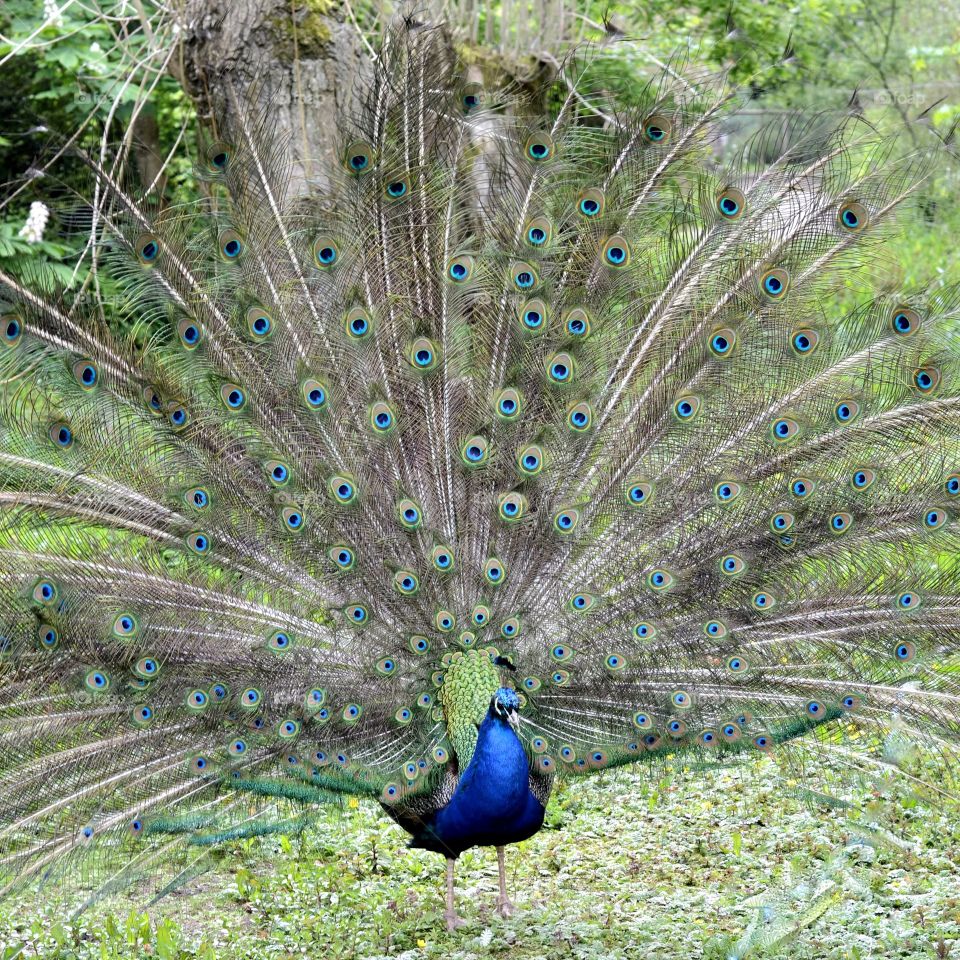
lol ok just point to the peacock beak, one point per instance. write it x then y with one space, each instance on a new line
513 718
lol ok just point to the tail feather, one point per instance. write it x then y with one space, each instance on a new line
578 397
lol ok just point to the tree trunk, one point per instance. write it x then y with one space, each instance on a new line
295 60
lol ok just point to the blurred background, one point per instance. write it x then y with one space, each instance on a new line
723 865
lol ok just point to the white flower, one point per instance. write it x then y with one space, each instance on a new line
51 13
32 230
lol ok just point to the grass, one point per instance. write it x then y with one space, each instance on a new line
723 865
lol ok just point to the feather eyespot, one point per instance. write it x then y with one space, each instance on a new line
358 157
538 232
763 600
423 355
97 680
472 97
784 429
804 342
685 409
86 374
396 189
409 514
905 651
342 490
406 583
560 369
12 328
530 460
419 644
358 323
259 324
782 522
230 245
45 592
197 498
293 518
681 700
533 316
639 493
147 247
731 203
736 664
715 629
581 602
676 728
475 451
539 147
326 252
382 419
580 417
444 621
218 156
908 600
480 615
926 379
615 662
512 506
233 396
442 558
642 721
524 276
314 394
576 323
177 415
904 322
952 485
198 542
644 631
852 216
846 411
732 565
934 518
494 571
508 404
616 252
566 521
722 342
48 637
62 435
460 268
357 614
279 641
125 626
775 283
840 522
657 129
146 668
278 473
660 580
591 203
726 491
510 628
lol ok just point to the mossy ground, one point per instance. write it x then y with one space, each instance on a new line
720 865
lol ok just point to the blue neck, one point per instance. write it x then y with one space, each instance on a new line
492 804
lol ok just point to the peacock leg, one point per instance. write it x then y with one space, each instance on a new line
504 905
453 921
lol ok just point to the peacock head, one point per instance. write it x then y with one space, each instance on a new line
505 705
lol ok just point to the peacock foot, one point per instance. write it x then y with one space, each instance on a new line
505 907
454 922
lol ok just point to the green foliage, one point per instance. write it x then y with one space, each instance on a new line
721 865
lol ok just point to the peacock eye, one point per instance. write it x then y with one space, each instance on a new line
731 203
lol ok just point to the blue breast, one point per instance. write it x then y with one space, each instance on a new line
492 804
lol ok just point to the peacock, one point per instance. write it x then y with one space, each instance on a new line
541 441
